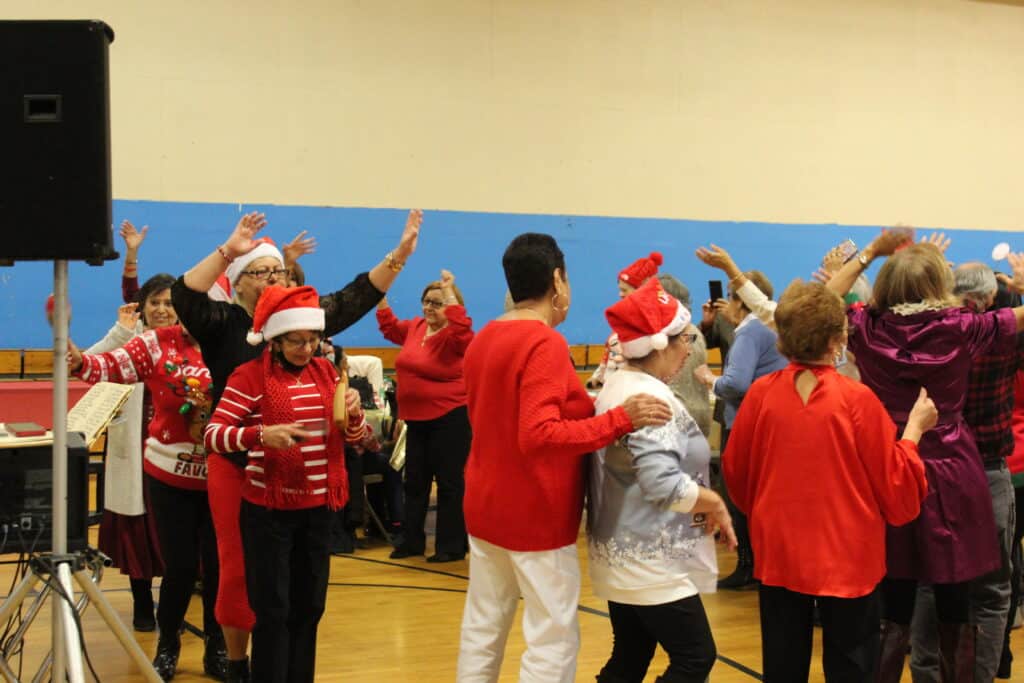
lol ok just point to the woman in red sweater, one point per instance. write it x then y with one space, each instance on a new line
432 401
806 423
168 361
285 408
533 425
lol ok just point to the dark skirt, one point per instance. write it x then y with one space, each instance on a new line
131 543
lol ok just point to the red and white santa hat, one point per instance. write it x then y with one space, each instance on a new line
641 270
280 310
221 290
646 318
265 247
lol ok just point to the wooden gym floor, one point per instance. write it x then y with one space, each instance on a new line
398 620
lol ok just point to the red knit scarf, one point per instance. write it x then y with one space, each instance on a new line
284 470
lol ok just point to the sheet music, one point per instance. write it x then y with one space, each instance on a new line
97 408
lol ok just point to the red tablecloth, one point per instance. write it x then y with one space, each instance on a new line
32 400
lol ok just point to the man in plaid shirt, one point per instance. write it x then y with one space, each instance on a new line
989 412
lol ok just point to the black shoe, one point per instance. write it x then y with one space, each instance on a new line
446 557
166 660
215 657
143 623
344 543
402 552
741 578
238 671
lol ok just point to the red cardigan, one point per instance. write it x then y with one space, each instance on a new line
533 423
820 481
429 369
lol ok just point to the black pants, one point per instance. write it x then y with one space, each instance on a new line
287 565
850 636
952 601
186 536
744 549
438 449
1017 570
680 627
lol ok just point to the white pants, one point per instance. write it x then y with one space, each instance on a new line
549 582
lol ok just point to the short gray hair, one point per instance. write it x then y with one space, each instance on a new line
675 288
975 283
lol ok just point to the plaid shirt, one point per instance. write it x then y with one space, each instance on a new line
989 406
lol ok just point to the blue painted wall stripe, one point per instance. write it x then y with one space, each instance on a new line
470 244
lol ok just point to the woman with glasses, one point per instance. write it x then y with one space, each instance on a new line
650 514
432 401
252 265
287 409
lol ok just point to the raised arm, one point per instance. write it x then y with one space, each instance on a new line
883 245
130 275
131 363
459 331
1016 284
121 333
242 240
754 299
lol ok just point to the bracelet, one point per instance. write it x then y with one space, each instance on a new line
394 264
863 260
130 263
224 254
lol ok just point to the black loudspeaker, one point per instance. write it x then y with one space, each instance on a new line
55 136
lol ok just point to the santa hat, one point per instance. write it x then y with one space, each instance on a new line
264 248
281 310
641 270
645 319
221 290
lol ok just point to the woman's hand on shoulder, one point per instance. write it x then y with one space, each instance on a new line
645 410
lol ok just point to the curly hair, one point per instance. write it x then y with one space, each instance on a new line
809 318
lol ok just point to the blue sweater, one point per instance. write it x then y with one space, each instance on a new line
752 355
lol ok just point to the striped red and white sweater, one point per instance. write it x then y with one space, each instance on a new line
172 369
237 423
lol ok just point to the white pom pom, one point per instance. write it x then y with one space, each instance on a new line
659 341
254 338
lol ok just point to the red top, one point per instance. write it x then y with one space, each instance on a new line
820 481
235 426
1016 461
429 369
533 423
166 363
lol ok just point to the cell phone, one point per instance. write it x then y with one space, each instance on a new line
715 290
848 249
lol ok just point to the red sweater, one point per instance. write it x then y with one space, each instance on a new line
429 369
1016 461
235 426
820 481
533 424
164 361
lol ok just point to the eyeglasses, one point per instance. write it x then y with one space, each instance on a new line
265 273
432 303
294 343
689 338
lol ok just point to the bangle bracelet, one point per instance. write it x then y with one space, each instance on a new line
224 254
394 264
131 263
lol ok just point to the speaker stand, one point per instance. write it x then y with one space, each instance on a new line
58 568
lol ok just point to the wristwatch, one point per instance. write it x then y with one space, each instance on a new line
863 260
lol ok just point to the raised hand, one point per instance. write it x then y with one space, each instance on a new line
298 247
939 240
74 358
410 235
132 238
716 257
447 279
128 316
1016 262
889 241
243 238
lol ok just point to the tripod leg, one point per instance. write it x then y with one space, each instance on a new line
14 600
72 643
113 622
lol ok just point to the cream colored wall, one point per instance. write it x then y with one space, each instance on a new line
853 111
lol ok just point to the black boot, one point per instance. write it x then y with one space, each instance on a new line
215 657
956 652
743 575
142 602
166 660
893 652
238 670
